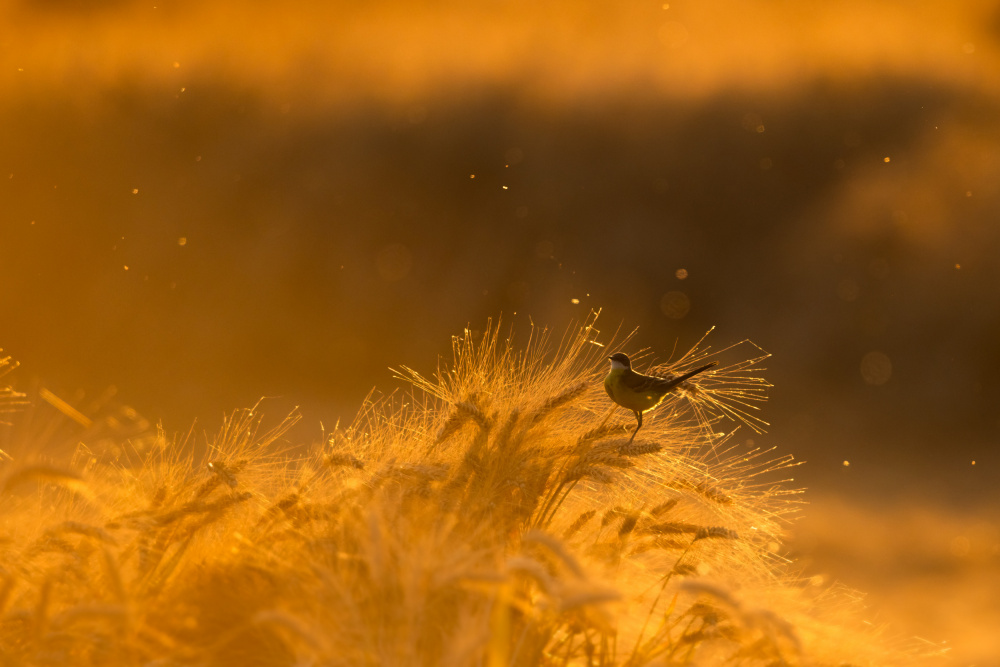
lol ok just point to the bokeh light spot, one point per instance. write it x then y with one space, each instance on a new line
675 305
876 368
752 122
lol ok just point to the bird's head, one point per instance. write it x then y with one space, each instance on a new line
619 360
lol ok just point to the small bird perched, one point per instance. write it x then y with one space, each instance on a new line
637 392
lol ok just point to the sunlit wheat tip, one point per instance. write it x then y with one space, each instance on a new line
451 425
590 597
639 448
556 548
473 411
224 473
672 527
503 436
593 472
683 568
628 525
281 507
664 507
158 497
602 432
50 544
705 490
559 400
715 532
578 523
338 460
610 460
82 529
613 514
533 569
664 543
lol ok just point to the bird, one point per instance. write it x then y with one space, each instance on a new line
637 392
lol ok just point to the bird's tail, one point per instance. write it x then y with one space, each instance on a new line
681 378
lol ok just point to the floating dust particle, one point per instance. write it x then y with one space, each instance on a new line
885 159
876 368
182 240
577 301
681 274
135 191
847 464
675 305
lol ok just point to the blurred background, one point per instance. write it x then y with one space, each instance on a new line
206 203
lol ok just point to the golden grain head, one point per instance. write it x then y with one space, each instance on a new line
429 532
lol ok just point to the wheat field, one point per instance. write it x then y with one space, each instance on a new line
493 514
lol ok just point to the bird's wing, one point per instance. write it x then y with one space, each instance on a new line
642 383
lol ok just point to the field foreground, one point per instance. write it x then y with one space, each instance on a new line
497 514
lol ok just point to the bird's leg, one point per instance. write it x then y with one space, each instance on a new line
638 416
